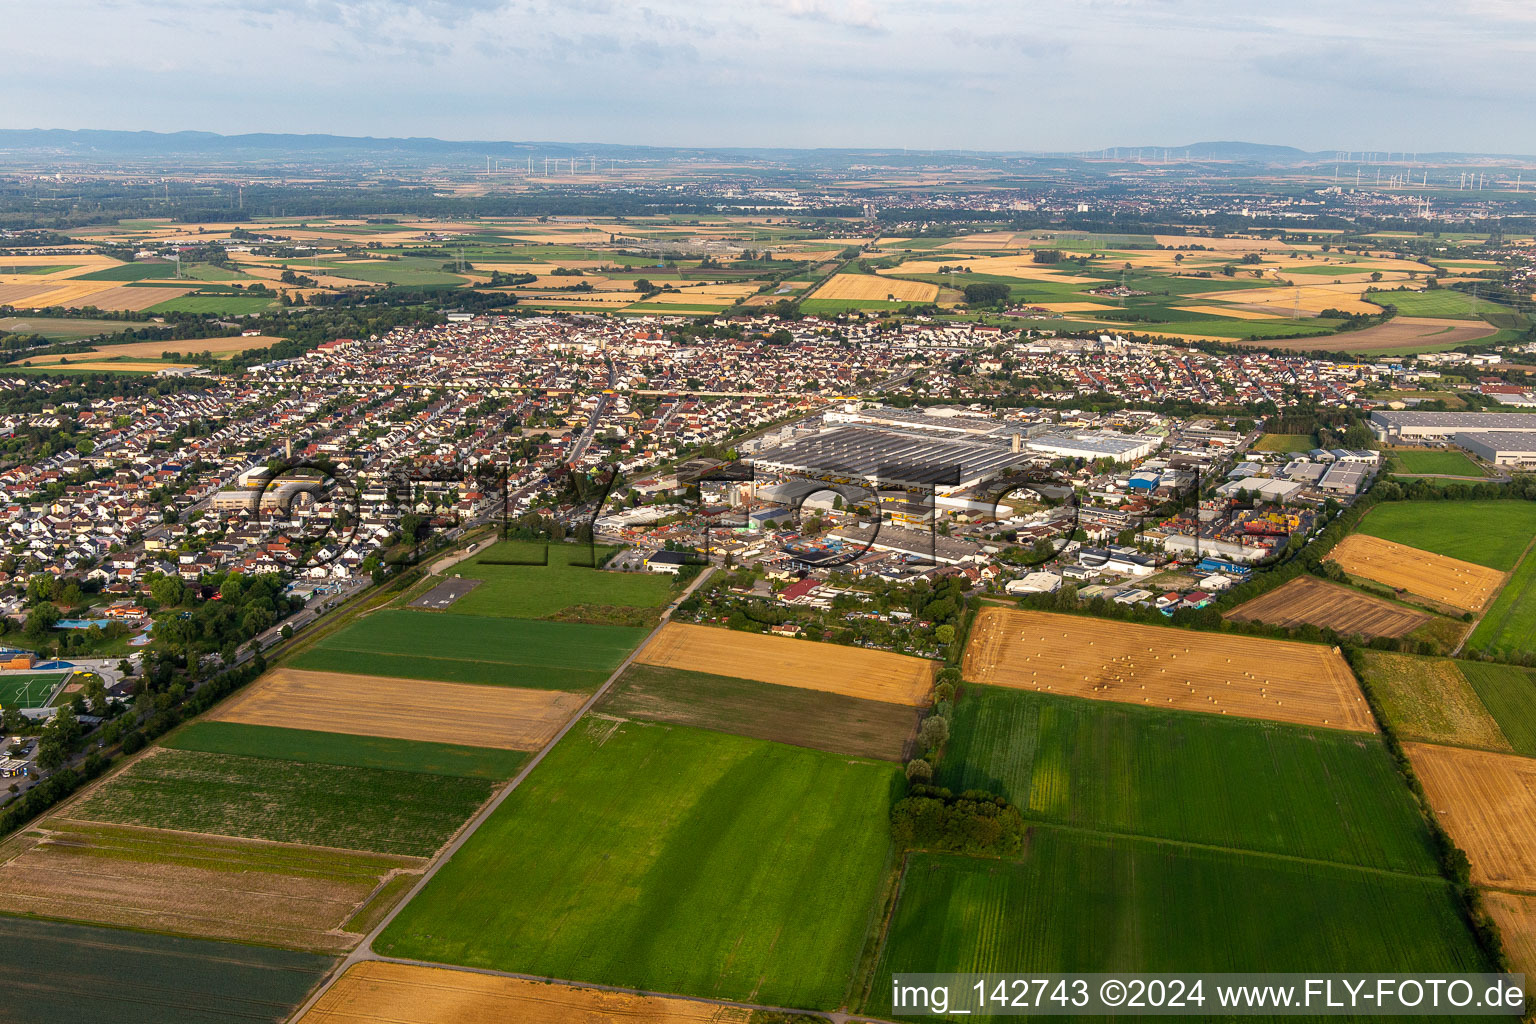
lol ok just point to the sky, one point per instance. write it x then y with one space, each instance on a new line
1034 75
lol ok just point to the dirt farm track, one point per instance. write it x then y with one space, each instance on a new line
1307 684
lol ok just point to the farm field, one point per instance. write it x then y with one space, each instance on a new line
93 975
1411 461
1515 914
1308 599
1487 802
1401 335
723 867
152 350
560 589
1509 694
260 798
1284 443
784 661
203 886
225 305
1440 579
61 328
1438 302
1490 533
1281 680
1509 627
312 747
1432 700
503 717
1319 794
379 992
27 689
457 648
869 287
785 714
1100 903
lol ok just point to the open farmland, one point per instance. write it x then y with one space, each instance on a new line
1431 699
869 287
784 661
1487 802
560 589
315 747
1308 599
721 866
1509 627
1489 533
1103 903
1308 684
785 714
457 648
61 328
502 717
1515 914
1509 694
1318 794
1400 335
67 972
1437 302
260 798
1423 574
198 885
379 992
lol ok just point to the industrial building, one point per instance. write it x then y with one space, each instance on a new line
892 459
1502 448
1400 427
1095 445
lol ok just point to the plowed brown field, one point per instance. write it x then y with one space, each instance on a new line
1311 600
1422 573
1083 657
378 992
504 717
1487 802
853 671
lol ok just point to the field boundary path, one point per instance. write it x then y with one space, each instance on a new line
364 950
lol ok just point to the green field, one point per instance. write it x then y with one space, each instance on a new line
260 798
84 975
1079 903
27 689
131 272
560 588
1491 533
410 271
673 860
1320 794
232 305
62 328
1285 443
308 747
1443 463
1509 626
1442 302
474 649
1431 700
42 268
784 714
1509 694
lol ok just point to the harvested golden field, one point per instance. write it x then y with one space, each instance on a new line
194 346
379 992
785 661
1308 298
1308 684
1238 245
1308 599
866 287
127 366
503 717
1487 802
1515 914
1422 573
1235 312
18 294
188 884
1429 699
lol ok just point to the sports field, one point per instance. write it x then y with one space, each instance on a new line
785 714
1491 533
1319 794
312 747
379 992
1509 694
205 886
27 689
785 661
1487 802
1080 902
1437 462
1308 599
560 588
668 859
1431 699
1509 626
1308 684
502 717
474 649
260 798
1447 581
66 972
